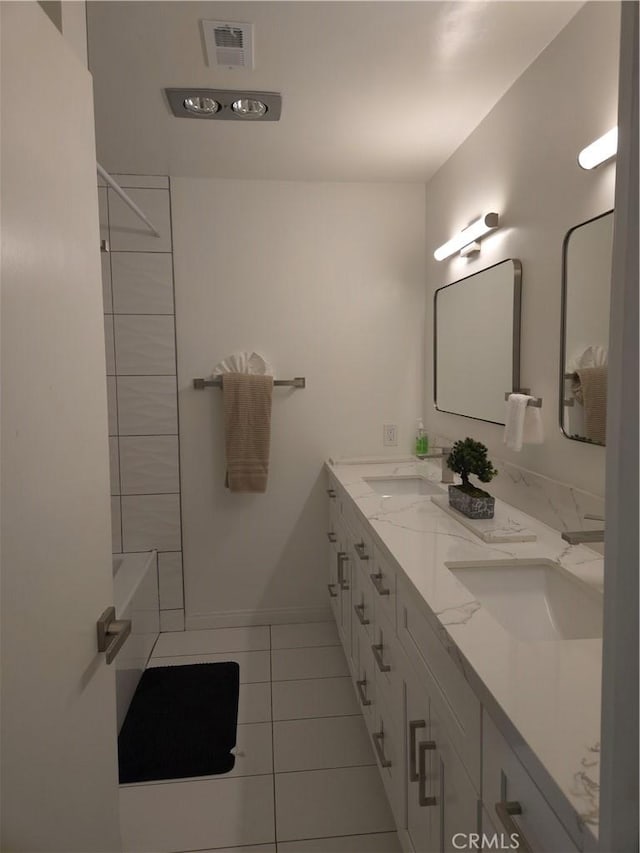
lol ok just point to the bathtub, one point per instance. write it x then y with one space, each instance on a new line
135 589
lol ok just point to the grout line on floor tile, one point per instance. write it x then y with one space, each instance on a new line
371 763
273 750
152 783
320 717
197 654
312 646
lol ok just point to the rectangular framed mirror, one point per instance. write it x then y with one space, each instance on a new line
586 292
477 342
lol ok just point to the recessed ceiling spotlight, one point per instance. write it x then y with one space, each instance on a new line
201 105
249 108
224 104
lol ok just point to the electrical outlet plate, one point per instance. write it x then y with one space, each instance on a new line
390 435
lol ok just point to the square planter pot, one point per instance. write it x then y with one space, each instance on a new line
470 505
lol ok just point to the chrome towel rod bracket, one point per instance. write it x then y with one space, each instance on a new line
201 384
536 402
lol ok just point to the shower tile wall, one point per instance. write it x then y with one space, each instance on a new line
137 280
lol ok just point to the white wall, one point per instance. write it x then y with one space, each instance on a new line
327 282
521 162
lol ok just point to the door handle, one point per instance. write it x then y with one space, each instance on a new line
112 633
377 582
359 608
378 742
377 654
424 747
342 557
362 691
414 725
331 536
331 493
505 810
361 551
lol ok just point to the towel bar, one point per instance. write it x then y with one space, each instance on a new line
298 382
536 402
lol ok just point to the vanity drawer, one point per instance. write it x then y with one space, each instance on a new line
362 601
389 669
504 780
365 681
456 702
383 580
388 746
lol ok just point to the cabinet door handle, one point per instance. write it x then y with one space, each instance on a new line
505 810
359 608
377 654
341 557
378 742
424 747
377 582
331 587
360 549
414 725
332 537
331 493
362 692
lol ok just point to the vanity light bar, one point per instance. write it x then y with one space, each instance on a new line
602 149
467 235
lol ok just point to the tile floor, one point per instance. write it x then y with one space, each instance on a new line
305 778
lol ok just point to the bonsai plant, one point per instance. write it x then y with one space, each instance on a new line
470 457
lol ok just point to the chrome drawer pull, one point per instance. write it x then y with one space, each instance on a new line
112 633
378 742
332 537
414 725
377 582
361 551
331 493
362 692
341 557
359 608
505 810
377 653
331 587
424 747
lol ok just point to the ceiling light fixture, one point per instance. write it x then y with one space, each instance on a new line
249 108
468 235
201 105
602 149
224 104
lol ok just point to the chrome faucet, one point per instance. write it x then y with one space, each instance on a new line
443 454
577 537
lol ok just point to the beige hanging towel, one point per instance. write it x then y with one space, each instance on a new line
247 430
589 387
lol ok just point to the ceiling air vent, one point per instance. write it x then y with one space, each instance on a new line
229 44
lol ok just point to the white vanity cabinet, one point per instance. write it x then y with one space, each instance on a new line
513 801
446 769
441 799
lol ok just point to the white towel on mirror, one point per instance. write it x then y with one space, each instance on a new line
523 423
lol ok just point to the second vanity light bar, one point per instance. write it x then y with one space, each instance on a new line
468 235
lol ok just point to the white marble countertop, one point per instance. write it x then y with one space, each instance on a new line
544 695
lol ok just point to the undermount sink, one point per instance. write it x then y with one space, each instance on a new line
406 484
534 599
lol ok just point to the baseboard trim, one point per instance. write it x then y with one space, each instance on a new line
245 618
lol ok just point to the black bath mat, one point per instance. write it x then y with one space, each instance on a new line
181 722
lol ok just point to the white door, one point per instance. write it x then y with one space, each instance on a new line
59 760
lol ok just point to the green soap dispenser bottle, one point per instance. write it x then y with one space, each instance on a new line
422 442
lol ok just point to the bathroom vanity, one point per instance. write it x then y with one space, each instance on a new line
483 706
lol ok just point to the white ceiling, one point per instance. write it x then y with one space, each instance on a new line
372 91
